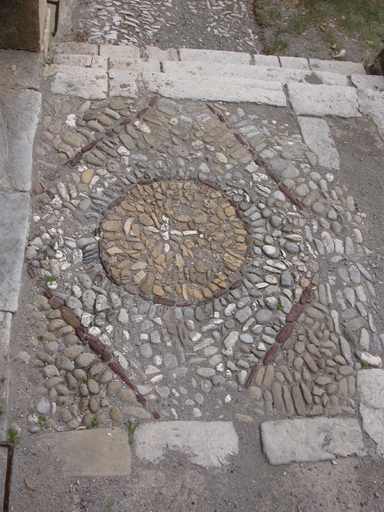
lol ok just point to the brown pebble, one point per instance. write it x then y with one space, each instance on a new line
285 333
69 316
270 354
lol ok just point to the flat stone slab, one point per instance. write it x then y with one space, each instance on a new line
318 138
344 68
370 387
372 104
222 58
102 452
262 74
20 68
294 62
311 439
368 83
209 88
323 100
122 51
206 444
86 61
5 334
134 65
87 83
76 48
123 83
154 53
19 115
14 212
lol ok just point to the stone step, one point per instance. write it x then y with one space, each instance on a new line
209 88
210 57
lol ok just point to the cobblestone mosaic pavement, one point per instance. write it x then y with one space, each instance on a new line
191 260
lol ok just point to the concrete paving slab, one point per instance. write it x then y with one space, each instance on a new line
263 73
18 68
344 68
72 47
14 212
87 83
323 100
318 138
368 83
370 386
124 51
86 61
209 88
222 58
294 62
311 439
19 113
207 444
123 83
102 452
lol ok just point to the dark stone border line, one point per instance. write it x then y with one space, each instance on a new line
257 160
92 341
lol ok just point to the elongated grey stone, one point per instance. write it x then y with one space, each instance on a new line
318 138
14 211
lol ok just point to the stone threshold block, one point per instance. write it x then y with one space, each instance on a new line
87 83
14 212
102 452
323 100
370 387
311 439
210 88
206 444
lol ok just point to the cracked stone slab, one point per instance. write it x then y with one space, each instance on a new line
206 444
222 58
318 138
102 452
311 439
370 386
87 83
20 68
209 88
14 212
323 100
19 114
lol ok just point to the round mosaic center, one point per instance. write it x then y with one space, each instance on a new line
173 241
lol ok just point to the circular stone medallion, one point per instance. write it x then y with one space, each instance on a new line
175 242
